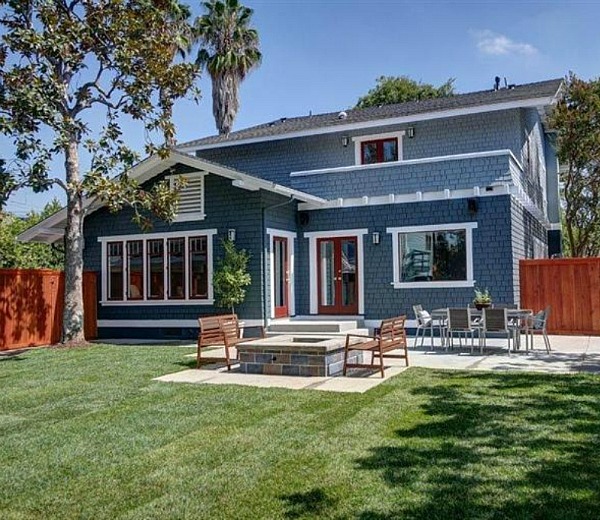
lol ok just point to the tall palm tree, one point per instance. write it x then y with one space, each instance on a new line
229 51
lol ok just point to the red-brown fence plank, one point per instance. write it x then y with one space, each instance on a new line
31 306
571 286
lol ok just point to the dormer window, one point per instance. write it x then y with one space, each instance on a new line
374 149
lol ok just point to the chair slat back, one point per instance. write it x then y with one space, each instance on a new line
418 309
495 319
230 327
210 330
393 328
459 319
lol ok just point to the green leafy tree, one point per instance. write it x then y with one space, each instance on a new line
229 51
390 90
15 254
231 277
67 63
576 120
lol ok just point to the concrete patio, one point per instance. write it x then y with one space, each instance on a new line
570 354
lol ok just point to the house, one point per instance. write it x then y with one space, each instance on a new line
362 213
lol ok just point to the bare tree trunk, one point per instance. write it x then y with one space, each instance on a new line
225 88
73 331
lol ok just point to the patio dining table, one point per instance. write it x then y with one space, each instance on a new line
515 316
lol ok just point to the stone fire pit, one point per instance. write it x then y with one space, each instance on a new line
296 356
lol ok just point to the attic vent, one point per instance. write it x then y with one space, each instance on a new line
342 115
191 198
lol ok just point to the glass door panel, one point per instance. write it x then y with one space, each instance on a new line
338 275
281 277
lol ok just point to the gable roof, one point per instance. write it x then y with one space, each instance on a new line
542 93
51 229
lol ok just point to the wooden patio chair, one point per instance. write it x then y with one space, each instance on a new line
392 336
220 331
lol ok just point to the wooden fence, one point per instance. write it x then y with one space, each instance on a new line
571 286
31 305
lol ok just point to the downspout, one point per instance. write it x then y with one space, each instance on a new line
264 259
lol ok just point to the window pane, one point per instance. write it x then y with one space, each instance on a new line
433 256
115 270
156 269
176 256
327 267
390 150
198 268
450 254
135 270
348 272
369 153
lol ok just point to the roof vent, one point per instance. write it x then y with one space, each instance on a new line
283 120
342 115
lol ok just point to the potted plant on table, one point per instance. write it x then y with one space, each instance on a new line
483 299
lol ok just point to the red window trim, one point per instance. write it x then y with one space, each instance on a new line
379 143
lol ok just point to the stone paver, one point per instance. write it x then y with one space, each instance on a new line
569 354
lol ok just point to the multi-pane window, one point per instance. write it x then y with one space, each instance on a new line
198 268
158 269
135 270
155 252
176 268
115 270
379 151
433 256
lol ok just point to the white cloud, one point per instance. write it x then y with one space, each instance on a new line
489 42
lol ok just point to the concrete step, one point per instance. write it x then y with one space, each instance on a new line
312 326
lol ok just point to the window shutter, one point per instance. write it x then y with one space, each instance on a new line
191 198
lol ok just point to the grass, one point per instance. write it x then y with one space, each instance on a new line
86 433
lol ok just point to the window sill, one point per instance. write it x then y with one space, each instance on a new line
433 285
159 303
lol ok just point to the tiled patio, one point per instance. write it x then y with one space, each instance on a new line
570 354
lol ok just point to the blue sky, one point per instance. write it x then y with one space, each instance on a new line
321 55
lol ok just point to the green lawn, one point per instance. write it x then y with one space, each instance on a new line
86 433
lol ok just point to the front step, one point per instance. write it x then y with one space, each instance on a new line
312 327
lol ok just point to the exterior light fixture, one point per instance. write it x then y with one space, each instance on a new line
231 235
345 141
376 237
410 132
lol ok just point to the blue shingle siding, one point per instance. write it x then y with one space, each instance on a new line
492 252
408 178
529 240
532 156
275 160
226 207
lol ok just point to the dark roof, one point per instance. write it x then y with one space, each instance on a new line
284 126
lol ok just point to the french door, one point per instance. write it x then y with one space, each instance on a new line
337 262
281 277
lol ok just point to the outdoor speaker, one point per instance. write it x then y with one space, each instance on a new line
472 205
303 218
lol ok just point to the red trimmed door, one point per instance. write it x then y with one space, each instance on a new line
337 267
281 277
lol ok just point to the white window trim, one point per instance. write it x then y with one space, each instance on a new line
359 139
394 231
313 269
198 215
291 237
209 233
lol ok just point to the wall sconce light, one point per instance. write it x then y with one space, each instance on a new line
231 235
410 132
376 237
345 141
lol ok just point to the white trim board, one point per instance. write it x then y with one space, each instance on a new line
398 284
291 237
154 324
427 116
313 267
407 162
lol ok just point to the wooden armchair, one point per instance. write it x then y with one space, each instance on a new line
392 336
219 331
